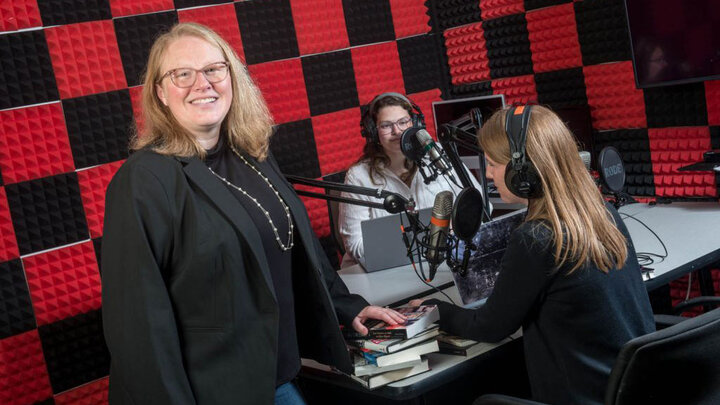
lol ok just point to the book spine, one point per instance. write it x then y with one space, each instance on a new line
455 351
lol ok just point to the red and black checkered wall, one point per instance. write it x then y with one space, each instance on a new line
69 96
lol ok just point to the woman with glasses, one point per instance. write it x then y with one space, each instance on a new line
214 284
383 165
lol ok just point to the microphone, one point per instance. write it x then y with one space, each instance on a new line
436 157
439 222
586 158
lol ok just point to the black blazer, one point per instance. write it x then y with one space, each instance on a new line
189 310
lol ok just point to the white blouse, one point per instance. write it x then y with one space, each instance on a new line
350 216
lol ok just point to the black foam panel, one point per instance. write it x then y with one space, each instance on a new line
99 127
26 76
293 146
330 82
602 31
535 4
75 350
446 14
508 46
471 90
195 3
135 35
561 88
715 137
421 64
97 246
268 31
16 310
368 21
47 212
60 12
675 106
634 147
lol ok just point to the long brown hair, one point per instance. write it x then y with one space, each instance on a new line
248 124
571 203
373 152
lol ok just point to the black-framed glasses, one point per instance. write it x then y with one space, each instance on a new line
185 77
385 127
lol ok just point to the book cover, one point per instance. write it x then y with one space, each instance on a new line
418 319
411 353
395 345
457 341
362 367
375 381
467 351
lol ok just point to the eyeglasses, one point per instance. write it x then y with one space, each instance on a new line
185 77
386 127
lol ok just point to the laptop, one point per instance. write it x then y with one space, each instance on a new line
383 243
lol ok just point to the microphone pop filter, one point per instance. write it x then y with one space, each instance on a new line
410 145
467 213
612 170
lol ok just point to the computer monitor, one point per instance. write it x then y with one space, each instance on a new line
450 110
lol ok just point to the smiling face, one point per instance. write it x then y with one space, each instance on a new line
202 107
390 140
496 172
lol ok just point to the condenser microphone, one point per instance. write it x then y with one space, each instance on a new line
436 157
586 158
439 223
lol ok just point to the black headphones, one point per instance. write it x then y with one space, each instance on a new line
368 127
521 177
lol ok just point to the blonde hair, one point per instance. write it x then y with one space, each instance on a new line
571 204
248 124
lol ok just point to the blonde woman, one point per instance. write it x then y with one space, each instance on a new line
214 284
569 277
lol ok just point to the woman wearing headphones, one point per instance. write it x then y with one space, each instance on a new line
383 165
569 276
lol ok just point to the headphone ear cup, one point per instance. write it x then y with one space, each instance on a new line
368 130
524 183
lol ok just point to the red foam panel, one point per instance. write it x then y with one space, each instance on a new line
319 26
613 99
317 211
424 101
467 54
94 393
672 148
283 86
337 139
377 70
34 143
120 8
63 282
93 184
85 58
410 17
8 244
712 100
23 374
18 14
517 90
490 9
553 38
221 19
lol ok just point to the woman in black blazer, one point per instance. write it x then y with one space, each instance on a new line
214 284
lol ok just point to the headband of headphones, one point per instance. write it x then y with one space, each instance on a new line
516 124
367 123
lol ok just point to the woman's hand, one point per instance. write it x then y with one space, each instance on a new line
386 315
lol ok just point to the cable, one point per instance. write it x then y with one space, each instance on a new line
648 258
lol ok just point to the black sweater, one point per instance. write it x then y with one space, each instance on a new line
573 325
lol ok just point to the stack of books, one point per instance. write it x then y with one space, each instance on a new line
389 353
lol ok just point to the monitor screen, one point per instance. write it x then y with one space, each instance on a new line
450 110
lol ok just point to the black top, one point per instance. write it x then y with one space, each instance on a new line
224 162
573 325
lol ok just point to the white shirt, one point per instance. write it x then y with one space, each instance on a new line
350 216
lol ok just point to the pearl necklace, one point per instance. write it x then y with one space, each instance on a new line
290 243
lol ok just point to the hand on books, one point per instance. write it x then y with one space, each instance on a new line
416 303
387 315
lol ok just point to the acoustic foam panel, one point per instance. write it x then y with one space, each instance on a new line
712 101
16 311
680 105
409 18
377 70
135 36
283 87
602 31
368 21
614 101
34 143
22 370
8 245
267 28
553 38
672 148
634 147
330 82
535 4
715 137
517 89
47 212
85 58
319 26
471 90
467 54
19 14
196 3
338 140
63 282
93 184
294 149
453 13
424 101
59 12
508 46
122 8
92 393
421 65
220 19
490 9
75 351
26 76
97 245
136 101
99 127
318 212
561 88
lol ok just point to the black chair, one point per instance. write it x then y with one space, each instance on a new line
676 365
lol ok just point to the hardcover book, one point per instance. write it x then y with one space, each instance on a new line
395 345
418 319
411 353
362 367
374 381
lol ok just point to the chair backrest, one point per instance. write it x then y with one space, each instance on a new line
676 365
333 210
